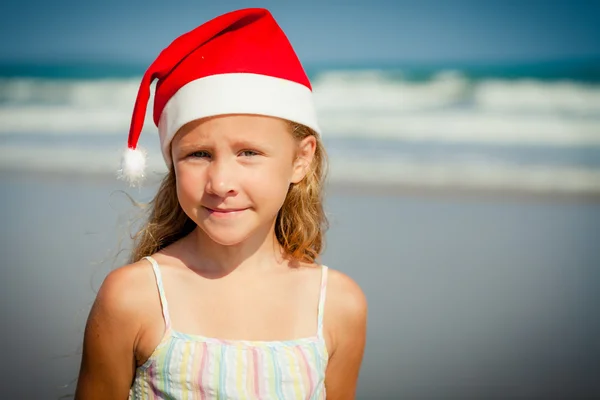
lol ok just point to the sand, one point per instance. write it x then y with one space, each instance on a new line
471 294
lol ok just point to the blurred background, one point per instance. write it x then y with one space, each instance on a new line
464 191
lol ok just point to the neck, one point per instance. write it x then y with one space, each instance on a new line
257 253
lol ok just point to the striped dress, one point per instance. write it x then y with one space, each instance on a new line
185 366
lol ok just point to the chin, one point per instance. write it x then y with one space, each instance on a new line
226 236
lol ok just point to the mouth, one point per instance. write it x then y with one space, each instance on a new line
224 212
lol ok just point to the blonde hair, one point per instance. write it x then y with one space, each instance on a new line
299 227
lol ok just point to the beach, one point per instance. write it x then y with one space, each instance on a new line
470 295
463 198
463 194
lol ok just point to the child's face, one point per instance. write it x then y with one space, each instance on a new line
233 172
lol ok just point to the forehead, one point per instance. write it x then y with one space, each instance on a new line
235 128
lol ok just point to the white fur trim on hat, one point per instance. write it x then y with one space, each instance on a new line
236 93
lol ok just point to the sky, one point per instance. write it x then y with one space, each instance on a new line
320 31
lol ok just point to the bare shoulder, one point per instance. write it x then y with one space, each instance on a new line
346 325
126 288
345 310
345 297
126 297
112 332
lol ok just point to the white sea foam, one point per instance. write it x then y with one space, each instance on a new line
442 125
448 108
381 92
99 93
538 97
375 91
369 104
468 126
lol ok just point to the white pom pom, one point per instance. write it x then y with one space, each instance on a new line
133 165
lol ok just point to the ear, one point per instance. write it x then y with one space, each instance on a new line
304 157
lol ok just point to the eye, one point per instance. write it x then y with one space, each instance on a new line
249 153
200 154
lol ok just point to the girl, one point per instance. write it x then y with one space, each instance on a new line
224 298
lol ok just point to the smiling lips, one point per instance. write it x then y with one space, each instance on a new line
224 212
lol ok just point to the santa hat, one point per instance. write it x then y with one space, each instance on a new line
238 63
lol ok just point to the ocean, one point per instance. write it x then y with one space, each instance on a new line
531 127
463 199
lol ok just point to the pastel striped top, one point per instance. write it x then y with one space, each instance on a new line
185 366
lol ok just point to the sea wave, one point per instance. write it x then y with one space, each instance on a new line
93 93
445 127
381 91
370 104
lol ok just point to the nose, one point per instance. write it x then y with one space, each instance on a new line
221 178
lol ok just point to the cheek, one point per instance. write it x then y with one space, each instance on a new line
271 184
189 185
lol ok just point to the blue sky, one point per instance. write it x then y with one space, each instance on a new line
321 31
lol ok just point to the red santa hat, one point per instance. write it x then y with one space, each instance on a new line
238 63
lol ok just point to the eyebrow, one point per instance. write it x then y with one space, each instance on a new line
237 143
185 148
252 144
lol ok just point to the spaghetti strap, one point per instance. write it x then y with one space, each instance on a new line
322 300
161 291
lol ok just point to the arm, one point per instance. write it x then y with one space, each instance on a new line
348 311
108 361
